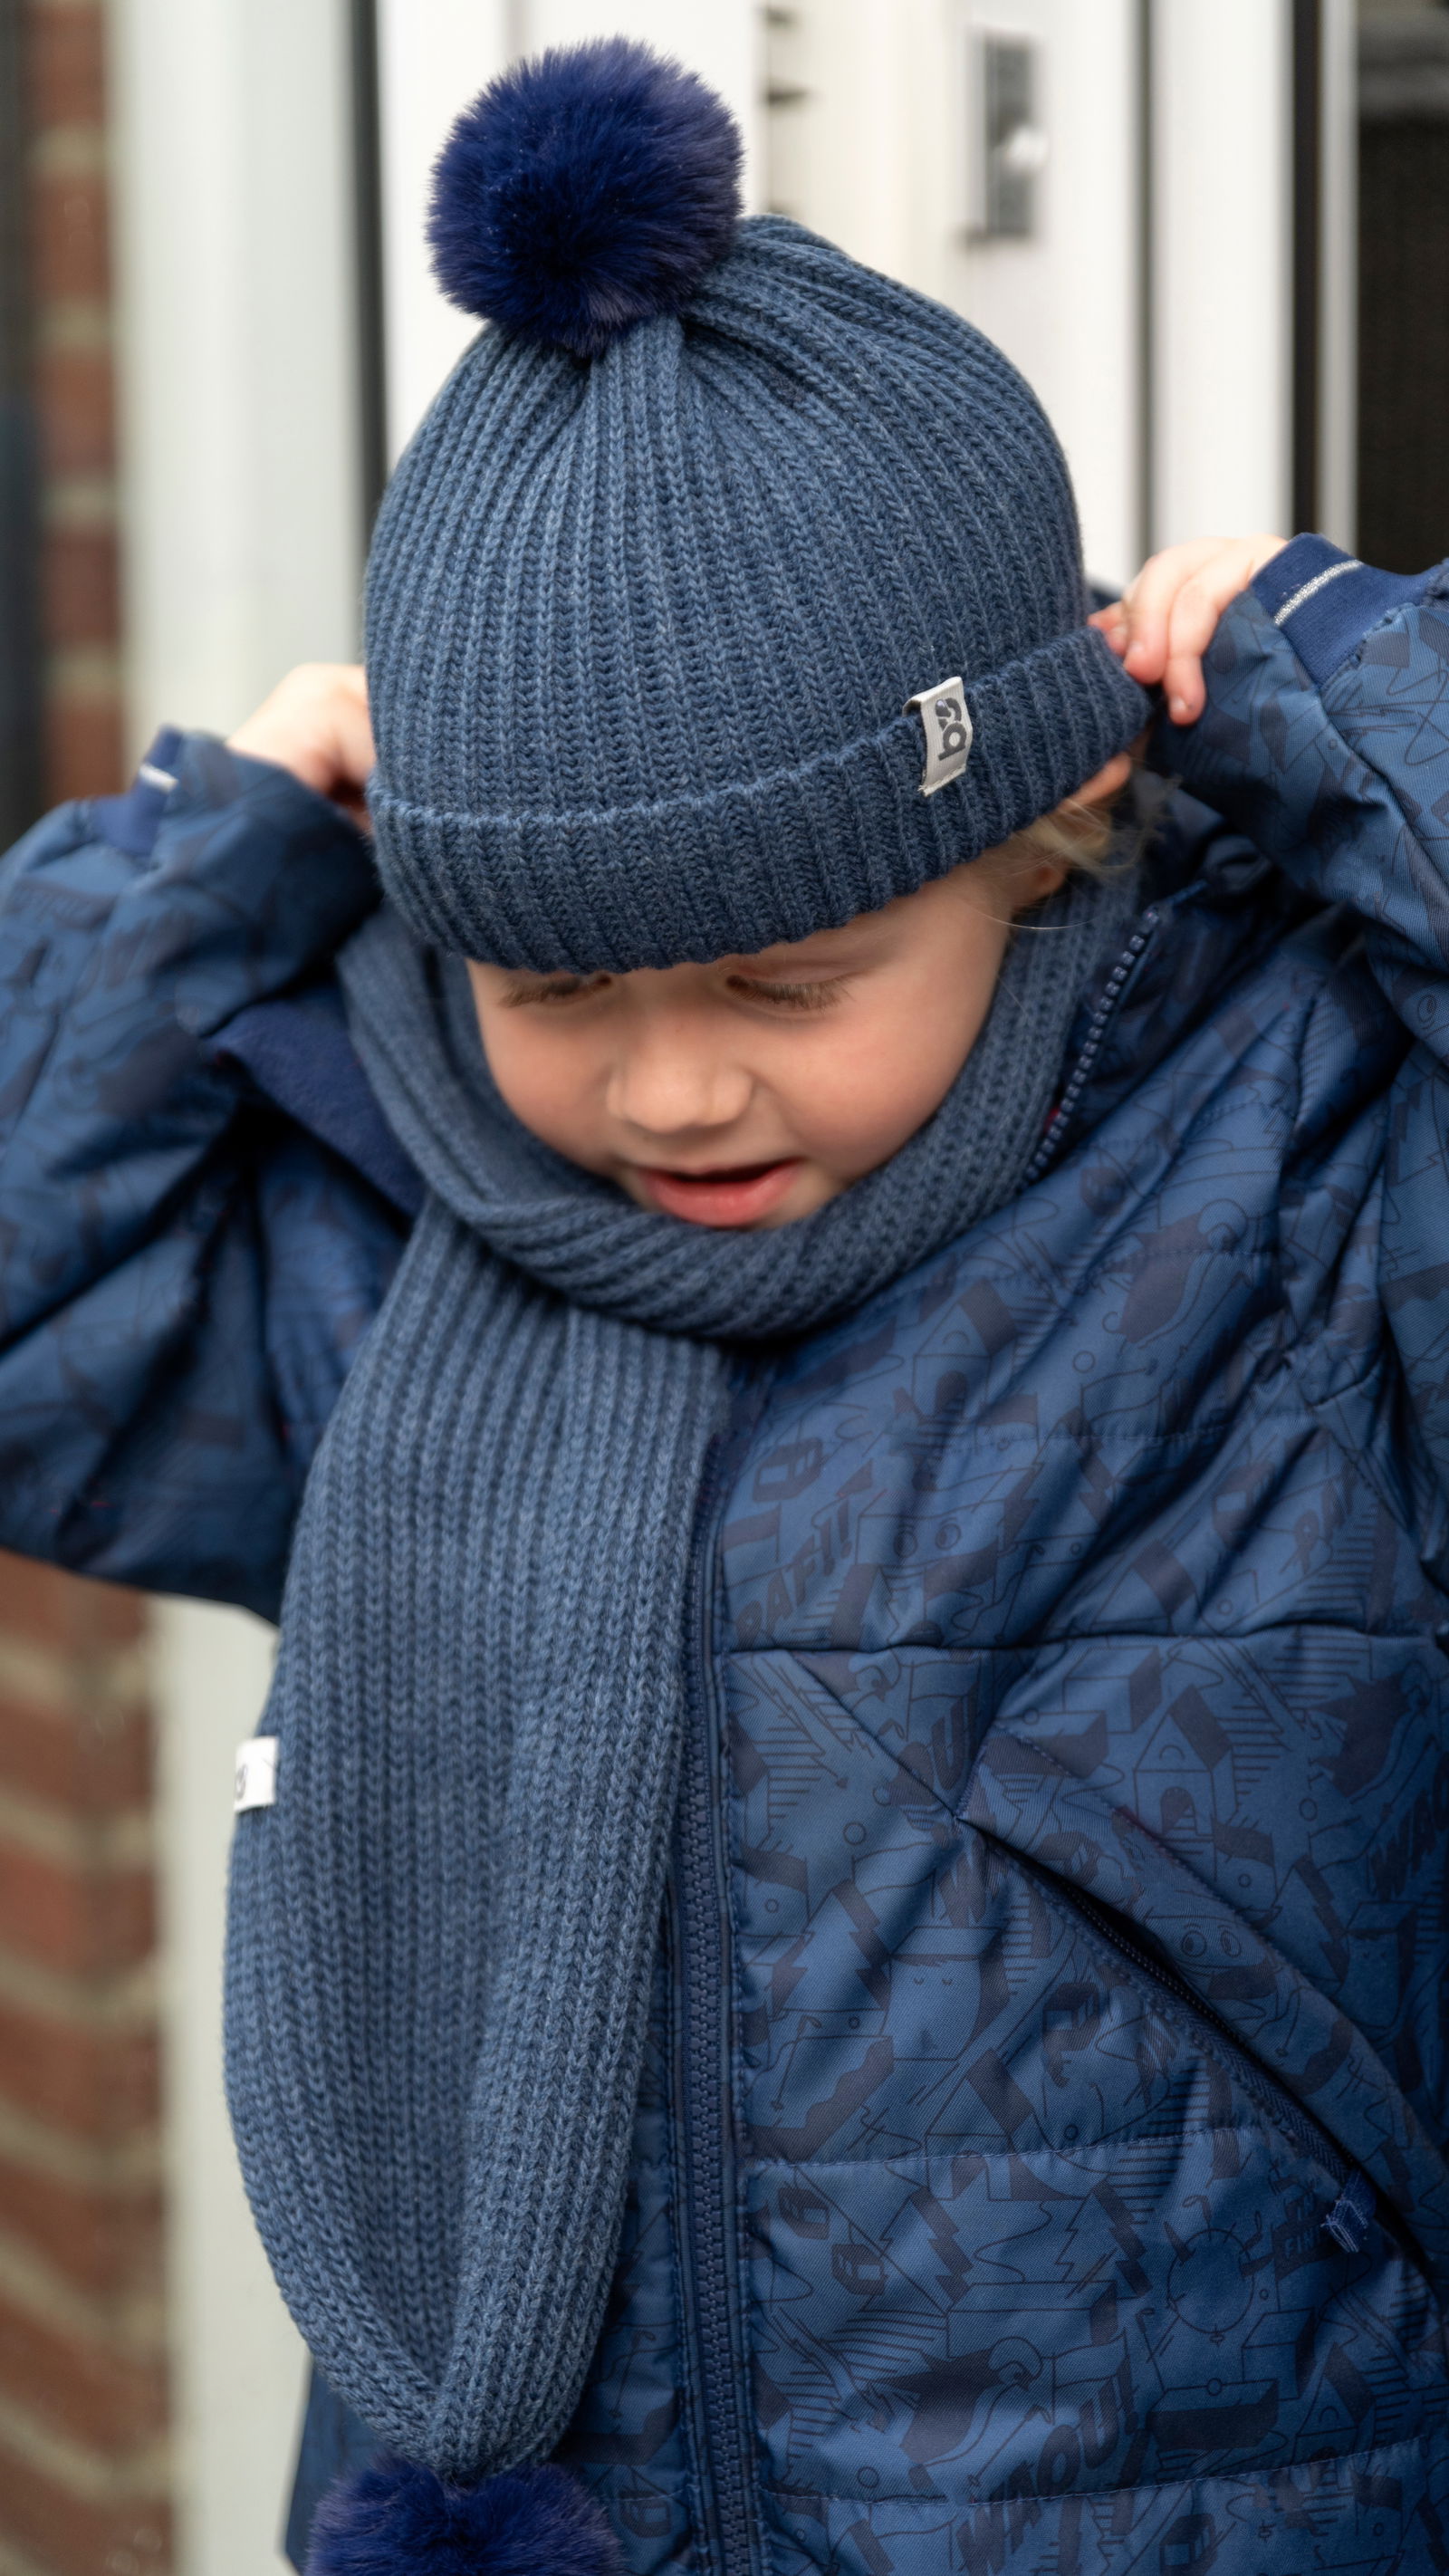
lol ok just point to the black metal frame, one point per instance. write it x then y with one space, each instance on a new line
367 253
1307 273
22 779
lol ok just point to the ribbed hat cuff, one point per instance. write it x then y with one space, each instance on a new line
727 871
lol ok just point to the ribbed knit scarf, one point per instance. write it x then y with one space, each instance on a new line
442 1932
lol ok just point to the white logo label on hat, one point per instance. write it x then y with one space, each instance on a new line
256 1773
946 726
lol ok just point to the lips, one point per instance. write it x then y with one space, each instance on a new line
740 1195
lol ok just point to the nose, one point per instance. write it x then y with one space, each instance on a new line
672 1077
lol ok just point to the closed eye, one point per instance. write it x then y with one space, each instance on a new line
791 997
554 988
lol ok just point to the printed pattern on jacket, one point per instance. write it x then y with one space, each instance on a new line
1085 1806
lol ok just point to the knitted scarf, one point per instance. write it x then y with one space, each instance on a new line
442 1931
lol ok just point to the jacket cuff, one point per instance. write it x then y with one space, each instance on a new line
130 822
1325 601
249 878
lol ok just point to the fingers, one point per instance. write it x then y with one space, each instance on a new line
315 723
1164 622
1116 624
1150 601
355 750
1192 617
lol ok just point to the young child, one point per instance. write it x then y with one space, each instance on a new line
839 1926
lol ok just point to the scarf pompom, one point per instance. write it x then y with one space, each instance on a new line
398 2519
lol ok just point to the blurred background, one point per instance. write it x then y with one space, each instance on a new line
1214 233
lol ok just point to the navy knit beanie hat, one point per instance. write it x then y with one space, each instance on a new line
681 537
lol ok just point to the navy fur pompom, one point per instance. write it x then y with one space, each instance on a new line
585 191
400 2520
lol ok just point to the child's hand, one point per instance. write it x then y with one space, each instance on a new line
1163 625
315 723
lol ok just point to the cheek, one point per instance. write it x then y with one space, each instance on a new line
888 1066
546 1076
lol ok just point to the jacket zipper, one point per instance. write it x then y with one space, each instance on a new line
708 2221
1091 1047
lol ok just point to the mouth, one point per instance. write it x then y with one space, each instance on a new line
740 1194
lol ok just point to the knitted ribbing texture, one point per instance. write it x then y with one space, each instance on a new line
640 632
442 1932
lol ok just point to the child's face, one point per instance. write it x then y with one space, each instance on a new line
747 1092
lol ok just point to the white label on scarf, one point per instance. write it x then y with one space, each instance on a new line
946 724
256 1773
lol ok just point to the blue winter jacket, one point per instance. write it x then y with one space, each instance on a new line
1040 2166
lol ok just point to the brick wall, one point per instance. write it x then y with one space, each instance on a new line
82 2387
83 2475
73 393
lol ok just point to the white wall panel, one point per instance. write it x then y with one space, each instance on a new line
1222 319
858 129
433 56
1065 304
240 498
240 2365
871 142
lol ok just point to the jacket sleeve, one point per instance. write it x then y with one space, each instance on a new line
183 1273
1326 739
